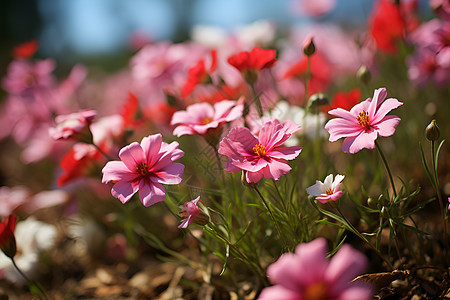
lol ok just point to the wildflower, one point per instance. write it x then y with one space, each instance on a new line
249 63
328 190
313 8
260 156
144 167
387 25
74 126
198 118
344 100
190 212
32 238
308 46
7 239
25 50
307 274
198 74
362 125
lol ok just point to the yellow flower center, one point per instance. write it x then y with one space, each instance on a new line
142 169
329 192
363 120
259 150
206 120
316 291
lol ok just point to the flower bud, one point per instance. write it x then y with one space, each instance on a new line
364 74
317 100
201 219
384 212
308 46
432 131
372 202
7 238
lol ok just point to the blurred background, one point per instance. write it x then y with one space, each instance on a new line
100 32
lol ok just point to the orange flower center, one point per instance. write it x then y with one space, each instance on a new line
142 169
329 192
363 119
259 150
316 291
206 120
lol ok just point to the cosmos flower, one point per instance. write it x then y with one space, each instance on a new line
362 125
198 118
144 167
308 274
260 156
75 126
192 213
328 190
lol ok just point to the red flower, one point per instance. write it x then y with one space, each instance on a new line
198 74
344 100
248 63
320 72
25 50
387 25
130 112
7 239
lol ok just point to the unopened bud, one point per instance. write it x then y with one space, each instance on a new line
372 202
317 100
308 47
364 74
432 131
201 219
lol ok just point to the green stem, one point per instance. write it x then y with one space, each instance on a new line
102 152
387 167
257 101
436 185
355 231
279 196
273 218
29 281
307 79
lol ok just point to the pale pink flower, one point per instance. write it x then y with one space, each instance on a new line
199 117
189 211
328 190
260 156
362 125
308 274
144 168
72 125
25 77
314 8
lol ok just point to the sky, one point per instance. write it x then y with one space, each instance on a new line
93 27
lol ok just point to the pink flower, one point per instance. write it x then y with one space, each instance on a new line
190 212
144 168
328 190
362 125
199 117
262 155
74 125
307 274
313 8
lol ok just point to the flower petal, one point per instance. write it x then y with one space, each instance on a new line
117 171
364 140
132 155
171 174
387 126
151 192
124 190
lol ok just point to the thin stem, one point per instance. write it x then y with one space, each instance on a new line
102 152
273 217
387 167
436 181
279 196
307 79
355 231
257 101
257 269
29 281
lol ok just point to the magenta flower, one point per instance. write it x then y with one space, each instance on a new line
329 190
191 212
144 168
199 117
74 126
307 274
263 155
362 125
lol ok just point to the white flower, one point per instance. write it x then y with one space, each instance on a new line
32 237
328 190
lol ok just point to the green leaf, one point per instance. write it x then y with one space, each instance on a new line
437 156
337 247
227 255
425 165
